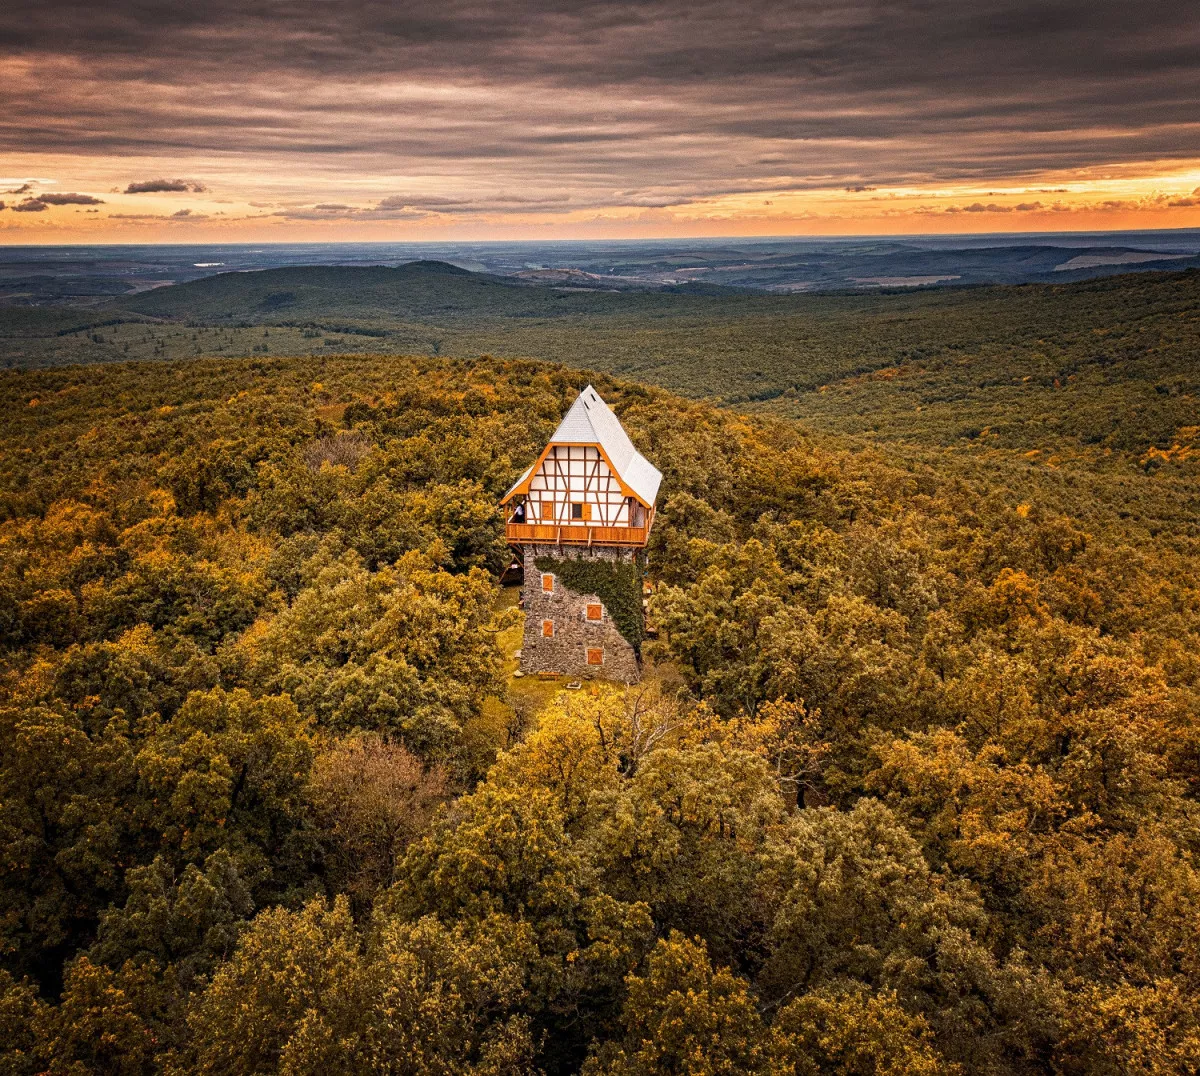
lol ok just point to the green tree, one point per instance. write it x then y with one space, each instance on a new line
404 651
683 836
682 1017
20 1015
228 772
849 1031
856 900
104 1021
66 831
295 975
506 851
306 994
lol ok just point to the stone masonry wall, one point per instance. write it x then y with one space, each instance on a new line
566 651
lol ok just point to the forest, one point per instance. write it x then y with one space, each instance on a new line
1097 377
910 786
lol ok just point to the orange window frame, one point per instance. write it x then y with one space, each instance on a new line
547 629
547 509
595 611
547 583
595 656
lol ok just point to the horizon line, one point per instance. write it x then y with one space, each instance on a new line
624 240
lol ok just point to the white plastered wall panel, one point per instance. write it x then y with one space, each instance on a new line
577 474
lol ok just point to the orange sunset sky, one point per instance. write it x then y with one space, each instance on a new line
308 120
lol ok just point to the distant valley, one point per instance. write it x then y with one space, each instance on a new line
74 275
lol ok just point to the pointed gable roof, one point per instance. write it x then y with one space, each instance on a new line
590 422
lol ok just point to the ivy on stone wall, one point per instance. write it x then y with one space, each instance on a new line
618 585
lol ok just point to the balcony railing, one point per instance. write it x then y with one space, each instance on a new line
573 534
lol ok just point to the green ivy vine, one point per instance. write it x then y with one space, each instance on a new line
618 584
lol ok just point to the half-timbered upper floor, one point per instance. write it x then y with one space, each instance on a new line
589 486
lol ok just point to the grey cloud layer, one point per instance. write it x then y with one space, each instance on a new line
53 198
158 186
645 103
39 203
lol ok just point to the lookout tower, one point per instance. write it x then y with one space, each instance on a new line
579 518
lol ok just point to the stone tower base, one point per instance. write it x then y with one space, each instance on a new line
559 636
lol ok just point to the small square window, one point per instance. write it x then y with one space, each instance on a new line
548 583
595 611
548 629
595 657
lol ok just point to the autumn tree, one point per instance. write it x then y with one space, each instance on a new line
683 1017
370 800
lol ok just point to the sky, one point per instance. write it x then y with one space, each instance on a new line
308 120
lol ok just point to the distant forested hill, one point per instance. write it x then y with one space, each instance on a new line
362 295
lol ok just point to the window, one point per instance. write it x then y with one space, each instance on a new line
581 510
548 583
595 611
547 509
547 629
595 657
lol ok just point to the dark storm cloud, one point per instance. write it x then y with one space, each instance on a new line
51 198
661 100
41 202
169 186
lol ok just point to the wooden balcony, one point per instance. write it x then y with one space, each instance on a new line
574 534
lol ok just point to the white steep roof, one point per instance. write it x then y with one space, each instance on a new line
590 422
